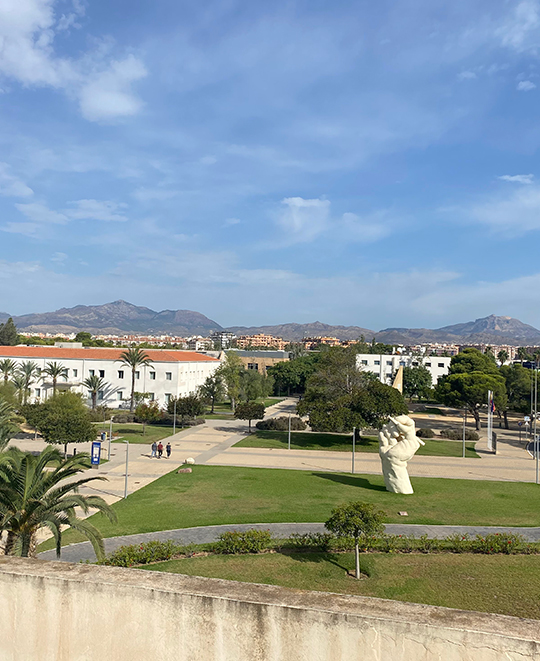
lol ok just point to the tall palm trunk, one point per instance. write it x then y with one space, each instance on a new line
132 398
11 540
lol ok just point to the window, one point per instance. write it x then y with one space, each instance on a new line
120 374
120 395
364 362
38 392
75 372
415 364
167 397
253 366
168 376
402 363
428 364
377 362
152 376
137 374
91 372
441 364
151 396
100 394
102 374
389 362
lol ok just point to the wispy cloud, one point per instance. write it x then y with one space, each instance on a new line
40 213
525 86
97 210
12 186
518 178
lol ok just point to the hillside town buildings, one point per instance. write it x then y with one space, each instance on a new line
170 374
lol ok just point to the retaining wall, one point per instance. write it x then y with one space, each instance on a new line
52 611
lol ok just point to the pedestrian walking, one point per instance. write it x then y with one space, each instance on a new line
154 449
160 450
168 449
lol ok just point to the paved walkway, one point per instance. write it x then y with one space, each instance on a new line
204 535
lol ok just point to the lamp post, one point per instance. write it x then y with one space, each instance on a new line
289 437
127 465
353 448
174 418
464 423
110 439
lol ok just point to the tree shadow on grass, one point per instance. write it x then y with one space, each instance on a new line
351 480
314 557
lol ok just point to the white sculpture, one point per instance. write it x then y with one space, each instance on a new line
397 444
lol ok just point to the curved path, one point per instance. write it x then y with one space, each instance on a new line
206 534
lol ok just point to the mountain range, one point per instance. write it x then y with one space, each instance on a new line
121 317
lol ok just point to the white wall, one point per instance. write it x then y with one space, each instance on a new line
385 365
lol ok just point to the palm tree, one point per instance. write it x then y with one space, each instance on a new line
7 426
7 368
30 372
40 492
134 358
94 384
19 383
502 356
522 354
55 371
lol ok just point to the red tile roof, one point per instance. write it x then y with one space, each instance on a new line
98 353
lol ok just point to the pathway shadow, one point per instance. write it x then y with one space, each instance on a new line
351 480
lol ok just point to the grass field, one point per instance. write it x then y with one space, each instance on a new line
133 432
497 584
343 443
225 494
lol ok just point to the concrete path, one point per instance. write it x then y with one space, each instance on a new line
204 535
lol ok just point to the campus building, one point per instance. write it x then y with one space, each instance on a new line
385 366
260 360
170 374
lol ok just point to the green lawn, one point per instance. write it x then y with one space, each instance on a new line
133 432
343 443
496 584
226 494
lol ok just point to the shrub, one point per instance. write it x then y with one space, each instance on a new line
457 434
193 422
498 543
99 414
321 541
122 418
142 554
250 541
281 424
425 433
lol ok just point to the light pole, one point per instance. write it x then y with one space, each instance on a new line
535 416
353 447
127 464
289 441
174 418
464 423
110 439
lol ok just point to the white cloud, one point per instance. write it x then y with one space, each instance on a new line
151 194
518 178
11 186
366 229
231 221
40 213
100 84
520 31
59 257
208 160
467 75
525 86
97 210
303 220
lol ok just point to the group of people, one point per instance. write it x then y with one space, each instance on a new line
157 449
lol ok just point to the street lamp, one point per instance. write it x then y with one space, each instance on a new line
127 464
110 439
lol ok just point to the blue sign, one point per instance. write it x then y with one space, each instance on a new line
96 453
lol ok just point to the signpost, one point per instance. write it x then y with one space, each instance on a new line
96 453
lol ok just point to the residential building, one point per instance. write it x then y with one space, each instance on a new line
260 340
313 342
222 339
171 373
386 365
200 343
261 360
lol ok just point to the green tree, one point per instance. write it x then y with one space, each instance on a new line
522 354
469 390
40 492
213 389
249 411
357 520
190 406
134 358
7 423
148 414
84 337
19 384
9 336
232 370
29 373
55 371
64 419
502 356
472 360
287 376
94 384
252 385
8 368
416 381
518 389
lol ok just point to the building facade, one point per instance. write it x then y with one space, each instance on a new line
170 374
386 365
260 340
261 360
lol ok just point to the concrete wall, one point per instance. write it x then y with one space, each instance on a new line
60 612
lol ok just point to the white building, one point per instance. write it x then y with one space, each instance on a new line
171 373
385 366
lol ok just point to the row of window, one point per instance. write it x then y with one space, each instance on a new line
402 363
151 375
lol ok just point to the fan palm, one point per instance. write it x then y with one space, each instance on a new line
7 368
134 358
19 383
55 371
30 373
40 492
94 384
7 426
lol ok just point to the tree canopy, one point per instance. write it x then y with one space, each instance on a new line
416 381
9 336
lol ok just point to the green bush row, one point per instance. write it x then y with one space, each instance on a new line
281 424
251 541
142 554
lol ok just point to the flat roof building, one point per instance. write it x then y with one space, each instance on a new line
386 365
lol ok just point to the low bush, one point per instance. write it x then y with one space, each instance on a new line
425 433
100 414
142 554
250 541
123 418
457 434
320 541
281 424
507 543
192 422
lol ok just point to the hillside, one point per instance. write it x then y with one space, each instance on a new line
296 332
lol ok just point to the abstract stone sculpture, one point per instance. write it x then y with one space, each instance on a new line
397 444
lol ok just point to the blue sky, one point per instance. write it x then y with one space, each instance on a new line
352 162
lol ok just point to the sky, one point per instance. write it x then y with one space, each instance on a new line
357 163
